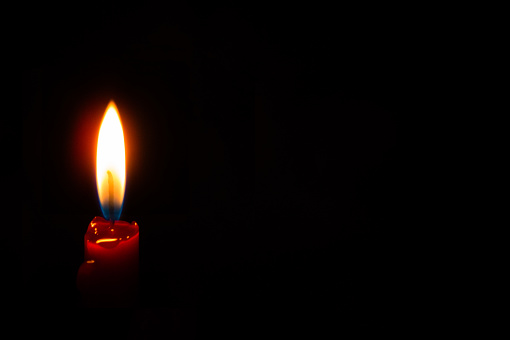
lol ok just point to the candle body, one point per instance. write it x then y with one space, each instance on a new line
109 274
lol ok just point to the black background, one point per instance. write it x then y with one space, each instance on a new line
263 162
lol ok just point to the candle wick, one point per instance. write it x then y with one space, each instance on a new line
110 195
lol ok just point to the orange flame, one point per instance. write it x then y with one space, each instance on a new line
111 164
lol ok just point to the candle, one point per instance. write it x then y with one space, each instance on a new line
109 274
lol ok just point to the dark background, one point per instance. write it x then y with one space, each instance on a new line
263 160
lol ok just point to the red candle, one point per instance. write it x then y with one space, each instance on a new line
109 275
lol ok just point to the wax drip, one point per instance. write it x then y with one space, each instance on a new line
110 196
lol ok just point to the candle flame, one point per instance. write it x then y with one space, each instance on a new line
111 164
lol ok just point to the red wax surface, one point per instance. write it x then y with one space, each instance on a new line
109 275
115 244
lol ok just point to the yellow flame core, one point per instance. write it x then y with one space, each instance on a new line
111 157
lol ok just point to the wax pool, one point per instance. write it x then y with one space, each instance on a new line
109 274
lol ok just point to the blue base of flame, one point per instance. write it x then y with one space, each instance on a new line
116 212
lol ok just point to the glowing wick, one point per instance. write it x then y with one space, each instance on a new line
110 195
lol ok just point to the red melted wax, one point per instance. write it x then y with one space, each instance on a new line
103 233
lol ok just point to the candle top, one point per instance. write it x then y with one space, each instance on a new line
108 235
